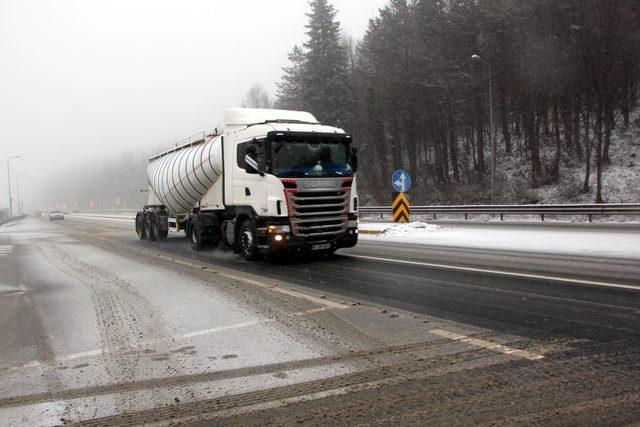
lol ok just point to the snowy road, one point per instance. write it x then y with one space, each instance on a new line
102 328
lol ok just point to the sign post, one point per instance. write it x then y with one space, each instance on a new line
401 207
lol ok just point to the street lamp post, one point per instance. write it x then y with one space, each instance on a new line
20 211
9 183
478 59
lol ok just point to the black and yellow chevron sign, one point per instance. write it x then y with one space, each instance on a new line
401 208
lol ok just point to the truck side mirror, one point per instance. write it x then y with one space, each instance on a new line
354 159
250 162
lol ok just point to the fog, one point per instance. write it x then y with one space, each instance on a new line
84 80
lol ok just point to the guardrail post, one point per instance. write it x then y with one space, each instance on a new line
589 218
435 216
466 217
542 217
501 217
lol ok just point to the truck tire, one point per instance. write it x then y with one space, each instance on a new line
247 240
196 233
159 227
148 226
140 229
164 231
228 234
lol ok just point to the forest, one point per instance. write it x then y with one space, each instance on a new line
434 85
418 92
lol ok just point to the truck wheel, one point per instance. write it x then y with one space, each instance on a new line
148 226
159 229
196 233
164 231
140 229
155 229
226 233
247 240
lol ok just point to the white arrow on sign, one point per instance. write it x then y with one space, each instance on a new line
402 182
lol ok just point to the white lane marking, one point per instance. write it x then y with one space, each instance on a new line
498 348
501 272
5 249
245 324
32 364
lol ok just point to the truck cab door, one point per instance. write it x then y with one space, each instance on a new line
252 187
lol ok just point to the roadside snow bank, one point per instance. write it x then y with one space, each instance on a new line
412 229
623 244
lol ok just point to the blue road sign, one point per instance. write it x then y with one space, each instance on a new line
401 181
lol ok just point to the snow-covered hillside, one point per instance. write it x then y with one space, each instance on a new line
621 178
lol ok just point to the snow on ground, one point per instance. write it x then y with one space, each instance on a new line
411 229
581 242
620 178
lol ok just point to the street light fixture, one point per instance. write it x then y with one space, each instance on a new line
9 183
477 59
20 210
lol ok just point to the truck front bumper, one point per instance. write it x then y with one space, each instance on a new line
276 243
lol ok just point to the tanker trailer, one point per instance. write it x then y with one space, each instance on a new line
274 181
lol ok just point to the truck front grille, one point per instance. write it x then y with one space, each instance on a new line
319 213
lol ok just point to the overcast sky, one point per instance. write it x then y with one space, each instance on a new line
85 79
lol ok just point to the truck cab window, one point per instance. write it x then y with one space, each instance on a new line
259 155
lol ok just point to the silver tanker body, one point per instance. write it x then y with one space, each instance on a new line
180 177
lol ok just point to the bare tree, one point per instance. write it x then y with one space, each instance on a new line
257 97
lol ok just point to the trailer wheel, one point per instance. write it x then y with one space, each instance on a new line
140 228
164 229
148 226
196 233
247 240
159 227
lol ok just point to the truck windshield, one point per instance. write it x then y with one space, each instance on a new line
310 158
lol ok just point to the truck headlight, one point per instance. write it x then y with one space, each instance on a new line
279 229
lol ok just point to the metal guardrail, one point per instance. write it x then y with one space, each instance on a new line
15 218
589 210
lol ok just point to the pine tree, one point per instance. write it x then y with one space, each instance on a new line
325 89
290 94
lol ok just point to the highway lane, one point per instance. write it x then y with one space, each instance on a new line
119 329
513 304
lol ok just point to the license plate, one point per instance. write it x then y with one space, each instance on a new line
321 247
